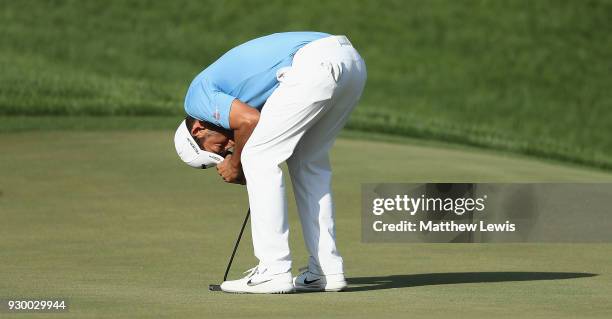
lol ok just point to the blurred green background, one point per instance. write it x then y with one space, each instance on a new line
532 77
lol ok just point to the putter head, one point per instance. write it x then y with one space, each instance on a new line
214 287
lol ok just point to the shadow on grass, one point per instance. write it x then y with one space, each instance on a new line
405 281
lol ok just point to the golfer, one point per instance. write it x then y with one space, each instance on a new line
279 98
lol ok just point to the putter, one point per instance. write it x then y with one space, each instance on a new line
214 287
206 160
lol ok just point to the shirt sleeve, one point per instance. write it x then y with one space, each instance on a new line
223 103
206 102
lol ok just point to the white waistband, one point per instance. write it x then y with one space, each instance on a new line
335 47
340 39
333 39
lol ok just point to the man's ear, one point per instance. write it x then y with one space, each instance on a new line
198 129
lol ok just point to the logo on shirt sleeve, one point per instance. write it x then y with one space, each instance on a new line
217 115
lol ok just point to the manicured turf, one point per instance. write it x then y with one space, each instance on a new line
114 221
527 76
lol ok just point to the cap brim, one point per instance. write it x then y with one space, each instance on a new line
190 152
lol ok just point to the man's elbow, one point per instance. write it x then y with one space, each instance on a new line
250 120
242 116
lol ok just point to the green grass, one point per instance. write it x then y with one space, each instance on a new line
114 221
531 77
82 123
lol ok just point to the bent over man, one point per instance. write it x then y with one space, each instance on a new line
279 98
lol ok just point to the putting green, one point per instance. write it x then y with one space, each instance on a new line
114 222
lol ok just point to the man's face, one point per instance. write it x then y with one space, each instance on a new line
212 139
216 142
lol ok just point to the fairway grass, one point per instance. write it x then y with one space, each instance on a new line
115 222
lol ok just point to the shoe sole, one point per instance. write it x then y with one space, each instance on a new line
286 290
299 288
282 292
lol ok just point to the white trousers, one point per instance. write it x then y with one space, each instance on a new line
299 124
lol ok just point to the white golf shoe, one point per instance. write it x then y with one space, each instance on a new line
260 282
310 281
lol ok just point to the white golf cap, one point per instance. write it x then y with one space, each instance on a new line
189 151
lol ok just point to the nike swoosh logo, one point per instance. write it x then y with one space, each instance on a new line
308 282
251 284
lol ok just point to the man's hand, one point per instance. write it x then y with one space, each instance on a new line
230 172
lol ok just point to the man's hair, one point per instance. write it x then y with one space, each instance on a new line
189 121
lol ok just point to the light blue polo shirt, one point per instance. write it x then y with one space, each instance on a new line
246 72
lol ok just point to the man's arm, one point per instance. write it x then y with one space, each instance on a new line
242 120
